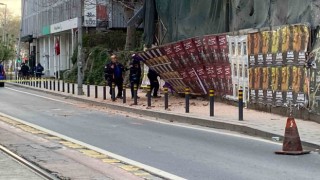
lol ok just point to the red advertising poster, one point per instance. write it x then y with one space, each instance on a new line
206 52
193 81
181 55
223 49
172 57
221 79
197 64
212 48
212 76
201 49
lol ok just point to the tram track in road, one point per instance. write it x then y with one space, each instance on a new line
32 167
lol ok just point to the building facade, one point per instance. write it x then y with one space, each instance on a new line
49 25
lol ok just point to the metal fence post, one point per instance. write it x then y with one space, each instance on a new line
135 94
187 96
211 94
104 92
113 93
96 91
166 98
124 100
149 95
240 105
88 90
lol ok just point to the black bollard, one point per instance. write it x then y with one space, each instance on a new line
104 92
166 98
58 85
33 82
113 93
88 90
135 94
40 81
68 87
72 88
50 84
96 91
187 96
63 86
54 85
149 95
46 83
124 92
240 105
211 94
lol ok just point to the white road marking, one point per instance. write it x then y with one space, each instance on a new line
214 131
171 124
115 156
41 96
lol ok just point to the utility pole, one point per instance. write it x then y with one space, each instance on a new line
19 42
79 59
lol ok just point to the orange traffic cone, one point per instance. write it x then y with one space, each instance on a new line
292 143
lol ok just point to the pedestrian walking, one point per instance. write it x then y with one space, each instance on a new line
39 70
114 72
154 83
135 75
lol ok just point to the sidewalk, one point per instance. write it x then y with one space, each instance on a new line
265 125
11 169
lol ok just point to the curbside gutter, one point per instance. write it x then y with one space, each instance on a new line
212 123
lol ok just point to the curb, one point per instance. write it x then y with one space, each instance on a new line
179 118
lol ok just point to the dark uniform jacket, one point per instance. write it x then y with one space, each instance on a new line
135 73
115 73
152 75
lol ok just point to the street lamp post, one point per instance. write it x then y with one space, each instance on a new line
5 22
19 41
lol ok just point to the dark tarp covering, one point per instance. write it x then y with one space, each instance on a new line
189 18
260 13
150 16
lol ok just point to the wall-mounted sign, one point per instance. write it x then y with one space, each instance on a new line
64 25
90 13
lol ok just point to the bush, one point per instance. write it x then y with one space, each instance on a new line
113 41
97 48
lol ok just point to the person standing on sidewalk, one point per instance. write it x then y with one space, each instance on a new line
39 70
114 72
135 75
24 71
154 83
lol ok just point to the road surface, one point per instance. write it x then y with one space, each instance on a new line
191 153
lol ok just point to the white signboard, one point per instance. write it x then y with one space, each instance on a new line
63 26
90 13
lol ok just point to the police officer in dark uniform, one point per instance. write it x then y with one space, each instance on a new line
135 75
154 83
114 72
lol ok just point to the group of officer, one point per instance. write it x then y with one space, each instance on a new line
114 73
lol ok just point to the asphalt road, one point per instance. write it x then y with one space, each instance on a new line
189 153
